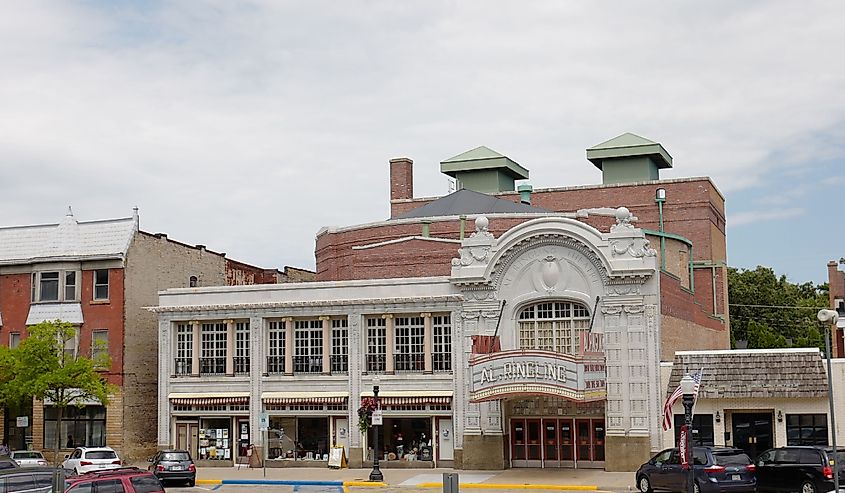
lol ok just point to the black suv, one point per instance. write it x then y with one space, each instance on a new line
799 468
28 479
717 470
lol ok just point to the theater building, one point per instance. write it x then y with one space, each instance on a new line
503 329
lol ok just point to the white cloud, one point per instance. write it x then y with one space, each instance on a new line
247 126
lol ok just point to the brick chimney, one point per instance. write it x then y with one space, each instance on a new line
401 179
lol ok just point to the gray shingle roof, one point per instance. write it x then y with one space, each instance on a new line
69 239
467 201
753 373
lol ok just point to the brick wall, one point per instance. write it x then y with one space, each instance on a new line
401 179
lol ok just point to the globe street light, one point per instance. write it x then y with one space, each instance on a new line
688 390
831 317
375 474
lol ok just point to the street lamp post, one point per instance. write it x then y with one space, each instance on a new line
830 316
375 474
688 390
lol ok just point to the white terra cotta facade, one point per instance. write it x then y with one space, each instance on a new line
533 292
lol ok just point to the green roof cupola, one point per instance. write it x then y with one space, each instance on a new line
484 170
629 158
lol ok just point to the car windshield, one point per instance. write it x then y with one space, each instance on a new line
100 454
175 456
27 455
731 459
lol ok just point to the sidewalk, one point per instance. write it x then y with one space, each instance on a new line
557 479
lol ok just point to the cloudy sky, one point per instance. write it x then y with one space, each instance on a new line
246 126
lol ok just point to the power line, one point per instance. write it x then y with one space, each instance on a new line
781 306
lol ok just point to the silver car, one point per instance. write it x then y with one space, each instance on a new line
28 458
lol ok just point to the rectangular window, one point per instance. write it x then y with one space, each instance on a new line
376 344
14 339
49 286
702 429
241 348
308 346
101 284
340 345
213 348
100 347
70 285
184 349
806 429
410 344
441 354
71 344
276 348
84 426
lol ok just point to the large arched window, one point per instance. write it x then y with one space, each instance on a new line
553 326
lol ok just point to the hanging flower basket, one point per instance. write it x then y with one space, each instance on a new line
365 413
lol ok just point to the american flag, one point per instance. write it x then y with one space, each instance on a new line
667 408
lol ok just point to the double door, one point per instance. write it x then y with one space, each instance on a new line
557 442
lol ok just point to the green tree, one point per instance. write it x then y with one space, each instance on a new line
769 311
47 366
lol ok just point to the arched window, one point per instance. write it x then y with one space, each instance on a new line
553 326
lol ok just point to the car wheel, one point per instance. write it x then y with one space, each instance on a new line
696 488
808 487
644 484
191 483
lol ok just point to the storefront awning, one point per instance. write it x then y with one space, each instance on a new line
313 397
208 398
399 397
66 312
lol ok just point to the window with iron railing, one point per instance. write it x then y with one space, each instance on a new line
340 346
241 358
308 346
276 347
184 349
376 344
441 354
213 348
410 344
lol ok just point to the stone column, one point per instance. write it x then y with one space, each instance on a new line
230 347
256 359
288 345
195 348
427 342
327 344
389 343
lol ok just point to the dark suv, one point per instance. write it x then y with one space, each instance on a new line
123 480
27 480
799 468
717 470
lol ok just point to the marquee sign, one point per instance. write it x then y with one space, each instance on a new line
530 372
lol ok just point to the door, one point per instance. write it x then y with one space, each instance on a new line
659 474
187 436
534 443
341 434
583 440
243 440
518 443
752 432
567 442
551 448
445 440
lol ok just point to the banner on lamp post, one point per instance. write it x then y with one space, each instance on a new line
683 437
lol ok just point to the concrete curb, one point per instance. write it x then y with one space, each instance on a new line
375 484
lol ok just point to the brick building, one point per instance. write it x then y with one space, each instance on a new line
836 281
100 276
505 326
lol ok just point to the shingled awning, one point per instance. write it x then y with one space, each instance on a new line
753 373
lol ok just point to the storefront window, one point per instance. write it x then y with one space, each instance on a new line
403 439
215 439
806 429
17 437
298 438
702 429
84 426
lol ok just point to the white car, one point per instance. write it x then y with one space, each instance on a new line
28 458
85 459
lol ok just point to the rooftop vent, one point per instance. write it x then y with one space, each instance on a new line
484 170
629 158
